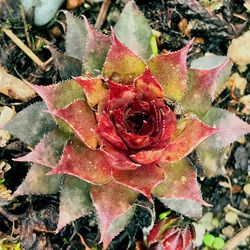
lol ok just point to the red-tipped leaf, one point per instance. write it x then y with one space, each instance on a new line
143 179
83 162
170 70
111 201
80 117
121 64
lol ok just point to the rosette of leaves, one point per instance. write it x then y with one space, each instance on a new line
108 133
171 234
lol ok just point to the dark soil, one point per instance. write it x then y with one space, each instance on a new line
32 220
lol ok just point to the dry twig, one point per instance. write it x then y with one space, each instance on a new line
102 13
231 244
23 47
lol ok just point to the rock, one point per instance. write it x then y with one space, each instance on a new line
246 189
231 218
73 4
44 10
241 158
239 49
14 88
228 231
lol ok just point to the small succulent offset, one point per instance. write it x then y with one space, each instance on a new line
125 126
171 234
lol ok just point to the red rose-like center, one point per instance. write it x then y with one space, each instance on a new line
134 120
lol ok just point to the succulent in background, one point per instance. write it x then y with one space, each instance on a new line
171 234
122 123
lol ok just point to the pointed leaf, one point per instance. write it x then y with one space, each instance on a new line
31 124
75 201
111 201
117 226
76 36
107 131
133 30
189 134
180 189
80 117
118 159
93 89
80 161
97 47
59 95
170 70
48 151
143 179
37 182
202 85
67 66
149 86
213 61
231 128
121 64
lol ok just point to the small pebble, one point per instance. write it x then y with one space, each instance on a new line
73 4
228 231
246 189
231 218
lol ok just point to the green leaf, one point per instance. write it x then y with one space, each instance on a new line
75 201
37 182
118 225
31 124
153 44
218 243
97 47
133 30
48 151
76 36
67 66
208 239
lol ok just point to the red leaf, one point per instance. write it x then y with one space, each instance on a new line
59 95
170 70
181 182
93 89
190 133
180 191
118 159
143 179
119 95
121 64
201 89
83 162
111 201
81 119
148 86
108 131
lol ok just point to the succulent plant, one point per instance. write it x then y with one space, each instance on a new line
171 234
122 124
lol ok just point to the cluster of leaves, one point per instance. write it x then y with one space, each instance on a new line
125 126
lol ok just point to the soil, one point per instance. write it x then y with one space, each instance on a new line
32 220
